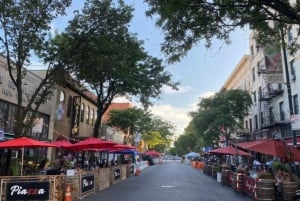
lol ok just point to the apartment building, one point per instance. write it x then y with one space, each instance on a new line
262 74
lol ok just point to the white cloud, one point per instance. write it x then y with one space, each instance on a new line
121 99
207 94
178 117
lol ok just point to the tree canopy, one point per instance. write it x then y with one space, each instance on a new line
221 114
186 22
155 132
103 53
24 28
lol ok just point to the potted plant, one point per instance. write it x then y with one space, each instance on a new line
219 172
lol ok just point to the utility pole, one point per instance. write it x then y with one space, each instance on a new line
288 83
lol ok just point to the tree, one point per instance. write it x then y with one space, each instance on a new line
186 22
23 31
129 121
110 60
184 144
158 136
222 114
154 131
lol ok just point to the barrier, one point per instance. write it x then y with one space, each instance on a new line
288 190
68 195
224 177
264 190
238 181
249 185
50 186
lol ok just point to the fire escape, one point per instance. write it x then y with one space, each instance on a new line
272 78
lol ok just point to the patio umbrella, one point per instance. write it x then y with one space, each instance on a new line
123 146
192 155
245 145
229 151
276 148
24 142
91 144
152 153
62 143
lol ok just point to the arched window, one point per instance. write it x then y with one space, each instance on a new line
69 106
82 112
87 120
92 116
62 97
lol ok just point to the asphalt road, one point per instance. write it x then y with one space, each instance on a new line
170 181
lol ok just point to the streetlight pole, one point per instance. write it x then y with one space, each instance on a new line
288 83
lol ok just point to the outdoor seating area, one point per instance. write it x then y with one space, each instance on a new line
112 162
263 170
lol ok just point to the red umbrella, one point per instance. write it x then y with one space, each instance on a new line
62 143
248 144
229 151
91 144
276 148
122 146
152 153
24 142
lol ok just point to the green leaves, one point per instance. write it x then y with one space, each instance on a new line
24 28
222 113
101 52
185 23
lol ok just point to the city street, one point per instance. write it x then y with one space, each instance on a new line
170 181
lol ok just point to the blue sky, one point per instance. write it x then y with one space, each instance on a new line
203 71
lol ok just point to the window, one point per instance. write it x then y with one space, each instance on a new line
62 97
256 122
290 34
246 124
261 118
258 68
296 104
254 97
82 112
69 106
292 68
257 48
250 125
271 115
252 51
253 74
92 116
87 120
259 93
281 111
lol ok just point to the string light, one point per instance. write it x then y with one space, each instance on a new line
65 136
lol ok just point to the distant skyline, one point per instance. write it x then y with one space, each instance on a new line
201 73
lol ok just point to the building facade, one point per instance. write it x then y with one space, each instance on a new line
264 77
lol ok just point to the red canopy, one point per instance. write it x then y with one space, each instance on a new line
62 143
152 153
229 151
24 142
276 148
91 144
248 144
122 146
